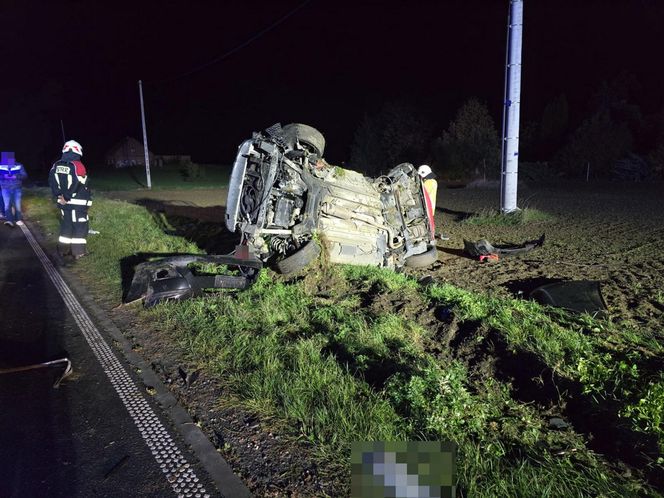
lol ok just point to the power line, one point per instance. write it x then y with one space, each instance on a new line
235 49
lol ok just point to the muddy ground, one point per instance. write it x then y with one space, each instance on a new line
612 233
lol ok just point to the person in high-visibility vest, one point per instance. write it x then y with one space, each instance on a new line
431 186
68 180
429 182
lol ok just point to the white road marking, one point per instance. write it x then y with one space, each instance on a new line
178 471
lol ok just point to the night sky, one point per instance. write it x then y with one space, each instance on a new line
327 64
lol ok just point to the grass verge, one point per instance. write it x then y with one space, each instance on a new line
525 216
124 230
170 176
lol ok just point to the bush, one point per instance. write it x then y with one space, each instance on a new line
536 171
470 147
599 141
398 133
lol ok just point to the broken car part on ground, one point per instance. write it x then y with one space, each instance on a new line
171 279
483 248
580 296
46 364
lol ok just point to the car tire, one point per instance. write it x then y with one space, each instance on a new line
423 260
306 135
299 259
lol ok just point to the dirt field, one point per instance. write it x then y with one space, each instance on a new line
612 233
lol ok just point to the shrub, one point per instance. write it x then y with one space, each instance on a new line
398 133
599 141
470 147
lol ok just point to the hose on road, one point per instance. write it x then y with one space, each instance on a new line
68 369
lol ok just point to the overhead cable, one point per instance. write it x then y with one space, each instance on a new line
234 49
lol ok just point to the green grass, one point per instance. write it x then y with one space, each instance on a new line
329 357
124 230
162 178
525 216
659 297
338 372
278 364
523 324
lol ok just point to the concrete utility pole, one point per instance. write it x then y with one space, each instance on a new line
510 148
145 136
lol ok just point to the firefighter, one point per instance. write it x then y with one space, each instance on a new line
431 187
68 180
430 184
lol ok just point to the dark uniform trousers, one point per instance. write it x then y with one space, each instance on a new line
73 230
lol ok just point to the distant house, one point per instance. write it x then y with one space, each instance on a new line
162 159
127 152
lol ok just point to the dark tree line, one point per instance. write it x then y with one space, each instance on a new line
611 138
30 127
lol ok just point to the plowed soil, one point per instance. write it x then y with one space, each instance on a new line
612 233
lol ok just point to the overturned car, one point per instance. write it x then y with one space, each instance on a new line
288 203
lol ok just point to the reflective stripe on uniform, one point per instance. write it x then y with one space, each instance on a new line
73 216
78 241
80 202
83 219
64 240
69 181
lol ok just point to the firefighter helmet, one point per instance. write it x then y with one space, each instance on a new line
424 170
73 146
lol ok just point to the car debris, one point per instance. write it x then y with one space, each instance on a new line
483 249
171 279
188 376
580 296
557 423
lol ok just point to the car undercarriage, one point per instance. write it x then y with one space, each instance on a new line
282 195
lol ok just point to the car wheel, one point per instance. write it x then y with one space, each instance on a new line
299 259
423 260
307 135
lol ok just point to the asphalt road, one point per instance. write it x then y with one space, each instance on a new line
78 440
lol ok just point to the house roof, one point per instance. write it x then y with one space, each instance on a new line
124 143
